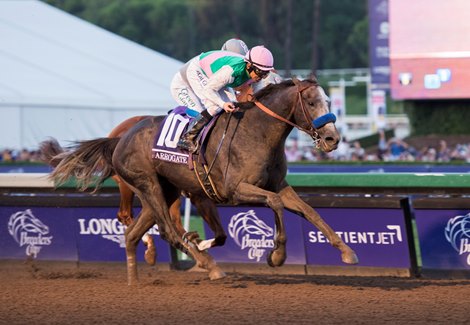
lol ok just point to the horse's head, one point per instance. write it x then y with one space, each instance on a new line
304 105
312 114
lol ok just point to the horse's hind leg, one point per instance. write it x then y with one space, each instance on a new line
151 253
132 162
203 259
206 208
152 195
293 202
124 215
134 233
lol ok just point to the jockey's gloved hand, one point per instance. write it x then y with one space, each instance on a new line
229 107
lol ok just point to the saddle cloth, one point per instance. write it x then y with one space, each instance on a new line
176 124
165 143
165 148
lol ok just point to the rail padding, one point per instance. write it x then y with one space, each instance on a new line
67 227
400 224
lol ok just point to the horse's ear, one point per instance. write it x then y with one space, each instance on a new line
296 81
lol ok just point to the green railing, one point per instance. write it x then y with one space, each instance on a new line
426 183
387 183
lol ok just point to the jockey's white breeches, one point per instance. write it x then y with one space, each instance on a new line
183 94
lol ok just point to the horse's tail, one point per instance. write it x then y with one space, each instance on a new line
89 162
51 152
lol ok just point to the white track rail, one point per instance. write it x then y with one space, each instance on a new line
25 180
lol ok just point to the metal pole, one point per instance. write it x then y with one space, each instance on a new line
186 220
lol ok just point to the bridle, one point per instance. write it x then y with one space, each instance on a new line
312 130
314 124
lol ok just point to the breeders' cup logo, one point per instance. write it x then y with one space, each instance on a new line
457 234
110 229
251 233
29 231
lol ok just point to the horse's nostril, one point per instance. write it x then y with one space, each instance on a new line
332 140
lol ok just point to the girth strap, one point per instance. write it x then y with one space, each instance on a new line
205 180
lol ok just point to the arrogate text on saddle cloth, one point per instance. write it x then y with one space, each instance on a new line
165 147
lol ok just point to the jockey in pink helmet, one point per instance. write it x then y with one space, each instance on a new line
238 46
261 59
210 74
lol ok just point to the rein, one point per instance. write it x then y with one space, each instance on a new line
218 147
315 124
279 117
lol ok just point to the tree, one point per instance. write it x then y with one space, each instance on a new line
183 28
315 33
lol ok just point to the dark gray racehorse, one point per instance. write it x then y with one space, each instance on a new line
250 168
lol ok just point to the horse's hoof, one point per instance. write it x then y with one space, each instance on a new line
349 258
150 256
131 281
216 274
276 259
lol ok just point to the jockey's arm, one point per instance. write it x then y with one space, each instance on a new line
216 82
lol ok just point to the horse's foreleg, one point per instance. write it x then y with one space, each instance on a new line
208 210
293 202
126 217
247 193
133 234
175 214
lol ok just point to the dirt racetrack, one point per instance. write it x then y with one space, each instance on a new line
58 293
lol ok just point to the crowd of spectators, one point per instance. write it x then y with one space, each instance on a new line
24 155
393 149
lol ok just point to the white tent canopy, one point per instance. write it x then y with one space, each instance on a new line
63 77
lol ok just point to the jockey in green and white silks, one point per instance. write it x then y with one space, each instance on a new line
211 73
184 95
209 76
182 91
203 81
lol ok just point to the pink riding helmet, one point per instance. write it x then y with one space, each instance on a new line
260 57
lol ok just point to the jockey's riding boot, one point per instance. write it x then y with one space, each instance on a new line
188 140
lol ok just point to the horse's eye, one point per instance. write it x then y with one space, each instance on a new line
311 103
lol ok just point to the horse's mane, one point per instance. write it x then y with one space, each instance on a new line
273 88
